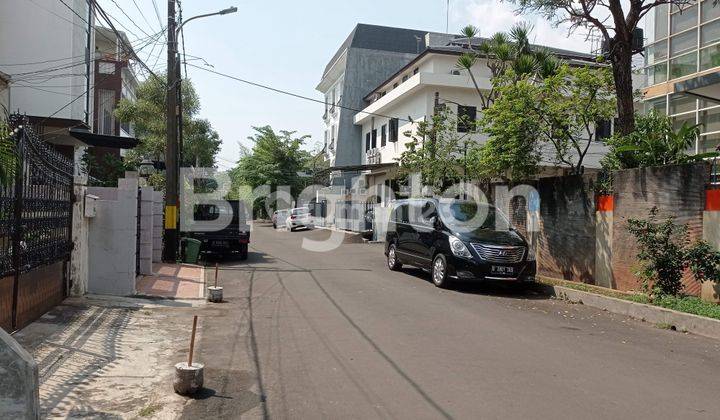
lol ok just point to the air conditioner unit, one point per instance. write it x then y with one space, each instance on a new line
455 72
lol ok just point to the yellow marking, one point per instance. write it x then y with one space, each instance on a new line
170 217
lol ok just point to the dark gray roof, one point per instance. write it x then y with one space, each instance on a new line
382 38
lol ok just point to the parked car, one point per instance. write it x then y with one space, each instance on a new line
279 218
443 237
300 217
232 239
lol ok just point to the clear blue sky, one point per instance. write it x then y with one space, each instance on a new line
286 44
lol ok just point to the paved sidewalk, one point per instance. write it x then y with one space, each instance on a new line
109 357
176 281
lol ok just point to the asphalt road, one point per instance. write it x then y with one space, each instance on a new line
337 335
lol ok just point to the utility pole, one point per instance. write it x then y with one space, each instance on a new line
170 246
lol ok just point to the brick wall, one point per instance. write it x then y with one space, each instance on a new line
677 191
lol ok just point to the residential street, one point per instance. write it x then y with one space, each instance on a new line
338 335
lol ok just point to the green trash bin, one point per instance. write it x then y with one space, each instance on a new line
191 249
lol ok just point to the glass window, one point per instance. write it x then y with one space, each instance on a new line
709 143
710 57
681 103
686 19
661 26
682 43
657 104
683 65
710 33
709 10
682 119
656 52
710 120
383 135
657 73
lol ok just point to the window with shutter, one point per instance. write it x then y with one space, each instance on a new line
374 138
383 136
367 142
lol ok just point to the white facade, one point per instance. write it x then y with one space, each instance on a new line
42 47
410 97
332 89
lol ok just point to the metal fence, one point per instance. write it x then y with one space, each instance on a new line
35 212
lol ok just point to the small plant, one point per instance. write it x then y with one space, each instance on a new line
662 253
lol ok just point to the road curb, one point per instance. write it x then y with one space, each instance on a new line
680 321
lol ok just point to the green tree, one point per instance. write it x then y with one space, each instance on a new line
437 150
147 113
275 160
654 142
559 111
201 143
616 22
503 51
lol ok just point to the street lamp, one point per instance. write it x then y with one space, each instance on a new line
221 12
146 168
174 116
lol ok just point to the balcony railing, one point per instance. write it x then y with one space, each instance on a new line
373 156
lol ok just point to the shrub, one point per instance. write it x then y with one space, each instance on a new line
703 261
662 253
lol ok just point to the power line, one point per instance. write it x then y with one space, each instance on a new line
128 17
97 9
157 14
143 15
284 92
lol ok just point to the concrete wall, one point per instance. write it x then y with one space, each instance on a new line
146 230
113 239
158 226
566 241
365 70
677 191
19 386
79 258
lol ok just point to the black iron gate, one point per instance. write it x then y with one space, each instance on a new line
35 228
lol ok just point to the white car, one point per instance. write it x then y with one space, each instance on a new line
300 217
279 218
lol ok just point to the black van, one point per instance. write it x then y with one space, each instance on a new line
457 240
232 239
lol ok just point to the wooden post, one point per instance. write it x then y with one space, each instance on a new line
192 341
216 272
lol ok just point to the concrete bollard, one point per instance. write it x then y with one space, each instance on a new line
188 379
215 294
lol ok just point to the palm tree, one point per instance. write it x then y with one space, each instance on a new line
503 51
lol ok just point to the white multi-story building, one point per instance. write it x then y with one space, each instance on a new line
43 46
683 67
407 97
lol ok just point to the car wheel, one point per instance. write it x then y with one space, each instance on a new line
392 260
244 252
439 272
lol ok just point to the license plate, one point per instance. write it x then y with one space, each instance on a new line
502 270
221 244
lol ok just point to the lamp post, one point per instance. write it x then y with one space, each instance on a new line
173 114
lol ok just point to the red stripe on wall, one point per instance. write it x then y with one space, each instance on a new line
712 200
605 203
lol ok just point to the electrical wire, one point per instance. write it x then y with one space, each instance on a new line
295 95
129 18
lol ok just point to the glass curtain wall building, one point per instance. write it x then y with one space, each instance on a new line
682 64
